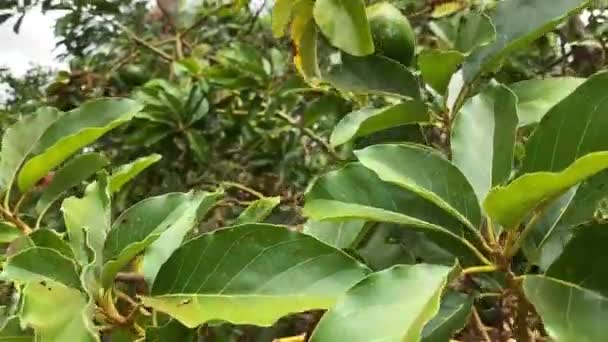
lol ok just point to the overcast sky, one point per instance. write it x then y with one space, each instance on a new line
34 45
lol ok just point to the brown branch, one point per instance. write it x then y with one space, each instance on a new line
309 132
132 278
144 43
14 219
480 326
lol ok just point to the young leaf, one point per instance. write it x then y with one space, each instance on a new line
355 192
251 274
56 313
561 137
517 23
452 317
171 238
141 225
537 97
345 25
92 212
370 120
257 211
438 66
19 141
483 138
373 74
409 166
71 132
569 312
508 205
41 264
70 175
392 305
127 172
340 234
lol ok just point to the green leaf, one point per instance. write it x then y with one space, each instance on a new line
452 317
517 23
537 97
569 312
329 105
19 140
70 175
281 15
447 188
561 137
576 208
172 331
583 258
9 232
56 313
304 36
438 66
198 145
370 120
483 138
251 274
373 74
127 172
141 225
91 212
73 131
476 30
377 309
340 234
508 205
171 238
41 264
13 332
355 192
51 239
257 211
345 25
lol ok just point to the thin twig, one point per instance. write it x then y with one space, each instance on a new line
129 277
308 132
144 43
479 325
14 219
244 188
480 269
512 249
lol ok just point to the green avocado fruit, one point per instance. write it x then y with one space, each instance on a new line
133 75
392 33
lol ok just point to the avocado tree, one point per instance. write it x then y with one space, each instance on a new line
468 201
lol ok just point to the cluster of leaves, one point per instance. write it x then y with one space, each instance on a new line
471 208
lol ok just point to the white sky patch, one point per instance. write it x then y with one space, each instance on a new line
34 45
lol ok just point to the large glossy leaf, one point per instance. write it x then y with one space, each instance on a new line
508 205
392 305
257 211
73 131
373 74
452 317
355 192
569 312
142 224
172 237
344 23
537 97
517 23
583 258
572 209
475 30
561 137
70 175
92 213
41 264
126 172
370 120
483 138
340 234
56 313
438 66
251 274
19 140
425 172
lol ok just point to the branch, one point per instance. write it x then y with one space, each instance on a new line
244 188
14 219
307 131
201 20
144 43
